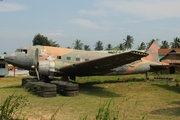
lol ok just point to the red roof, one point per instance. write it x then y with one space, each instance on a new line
166 51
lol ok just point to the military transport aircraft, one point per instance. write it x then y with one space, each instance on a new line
53 61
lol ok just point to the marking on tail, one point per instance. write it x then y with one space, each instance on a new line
153 52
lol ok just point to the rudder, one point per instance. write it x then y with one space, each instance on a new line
153 52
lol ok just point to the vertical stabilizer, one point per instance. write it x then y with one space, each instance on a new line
153 52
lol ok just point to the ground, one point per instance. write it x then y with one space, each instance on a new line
131 96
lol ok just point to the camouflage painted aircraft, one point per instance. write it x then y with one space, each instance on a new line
53 61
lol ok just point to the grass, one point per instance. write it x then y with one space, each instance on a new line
132 97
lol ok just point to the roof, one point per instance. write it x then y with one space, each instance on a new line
166 51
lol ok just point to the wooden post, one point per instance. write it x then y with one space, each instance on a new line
14 70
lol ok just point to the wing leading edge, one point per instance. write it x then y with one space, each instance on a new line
103 65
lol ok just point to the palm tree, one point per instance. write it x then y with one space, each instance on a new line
87 48
164 44
128 42
176 43
109 47
142 46
98 46
78 45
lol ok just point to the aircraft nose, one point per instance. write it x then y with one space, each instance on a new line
9 57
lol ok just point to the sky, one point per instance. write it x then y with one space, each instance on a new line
109 21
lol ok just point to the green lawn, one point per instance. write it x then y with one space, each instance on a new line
131 96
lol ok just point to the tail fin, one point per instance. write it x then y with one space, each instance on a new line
153 52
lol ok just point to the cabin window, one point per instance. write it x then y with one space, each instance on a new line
21 50
58 57
2 65
68 58
86 59
77 59
24 51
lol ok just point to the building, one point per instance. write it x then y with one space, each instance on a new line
3 66
172 57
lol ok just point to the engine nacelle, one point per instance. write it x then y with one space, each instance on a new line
46 67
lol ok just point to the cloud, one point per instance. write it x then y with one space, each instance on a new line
152 9
86 23
8 7
58 33
93 12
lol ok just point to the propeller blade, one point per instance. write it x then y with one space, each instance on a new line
36 58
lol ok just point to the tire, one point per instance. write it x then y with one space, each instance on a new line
71 87
47 94
26 80
71 93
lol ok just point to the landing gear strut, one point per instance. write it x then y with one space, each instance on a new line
146 75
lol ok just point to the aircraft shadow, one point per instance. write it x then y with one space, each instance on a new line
91 89
168 111
170 88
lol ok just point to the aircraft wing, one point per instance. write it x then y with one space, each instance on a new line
102 65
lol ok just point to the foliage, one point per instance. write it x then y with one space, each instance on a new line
176 43
109 47
12 107
142 46
128 42
121 47
149 43
106 113
87 48
98 46
42 40
164 44
78 45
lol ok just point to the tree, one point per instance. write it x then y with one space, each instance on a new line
149 43
87 48
53 43
109 47
78 45
176 43
98 46
121 47
42 40
164 44
142 46
128 42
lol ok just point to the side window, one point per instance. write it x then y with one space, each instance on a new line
2 65
86 59
58 57
77 59
68 58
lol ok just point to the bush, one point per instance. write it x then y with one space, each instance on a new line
12 107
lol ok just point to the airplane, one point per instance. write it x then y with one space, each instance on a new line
48 62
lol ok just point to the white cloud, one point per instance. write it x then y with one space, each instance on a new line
152 9
55 34
8 7
86 23
93 12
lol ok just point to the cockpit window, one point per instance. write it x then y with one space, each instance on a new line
21 50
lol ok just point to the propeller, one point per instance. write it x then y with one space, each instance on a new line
35 62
